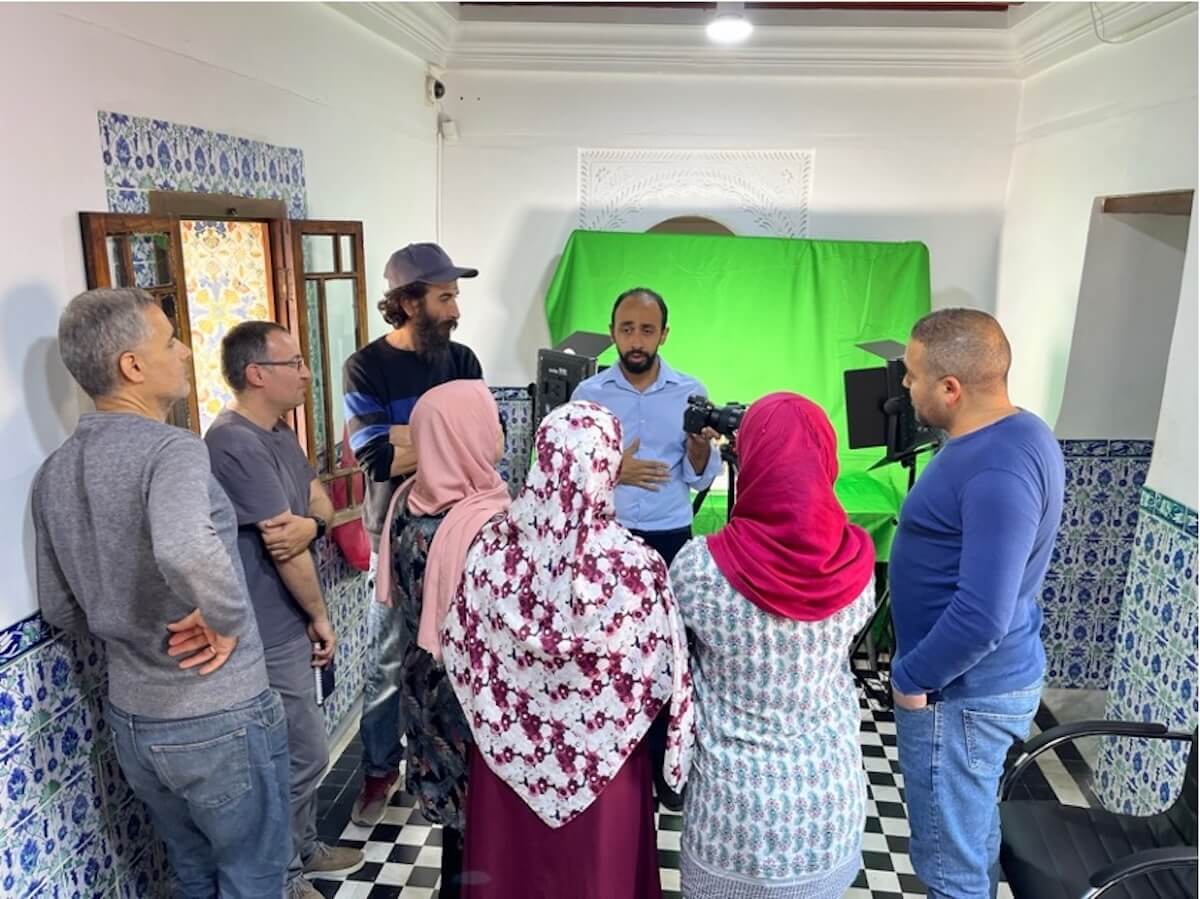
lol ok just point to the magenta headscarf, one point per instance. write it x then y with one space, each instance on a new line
789 547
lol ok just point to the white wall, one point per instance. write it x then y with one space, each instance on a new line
895 159
299 75
1128 298
1114 120
1177 446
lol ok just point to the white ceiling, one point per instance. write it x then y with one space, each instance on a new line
1016 43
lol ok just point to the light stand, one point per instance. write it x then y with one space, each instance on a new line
879 412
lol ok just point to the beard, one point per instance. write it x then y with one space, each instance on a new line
638 366
433 337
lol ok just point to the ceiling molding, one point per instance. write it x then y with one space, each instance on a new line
1041 36
684 49
1054 32
426 30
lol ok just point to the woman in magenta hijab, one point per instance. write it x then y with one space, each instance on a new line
563 645
776 802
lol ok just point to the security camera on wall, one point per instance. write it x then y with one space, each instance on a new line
435 89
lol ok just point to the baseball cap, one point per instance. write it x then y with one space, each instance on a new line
423 262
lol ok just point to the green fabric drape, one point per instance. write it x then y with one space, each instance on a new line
752 315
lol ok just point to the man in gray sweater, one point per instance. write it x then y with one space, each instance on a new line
137 544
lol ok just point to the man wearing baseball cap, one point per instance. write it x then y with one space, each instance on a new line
382 383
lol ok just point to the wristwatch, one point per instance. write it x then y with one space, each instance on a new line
321 526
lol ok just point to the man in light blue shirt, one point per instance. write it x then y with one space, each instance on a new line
662 463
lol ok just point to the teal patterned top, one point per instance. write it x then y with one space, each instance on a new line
777 789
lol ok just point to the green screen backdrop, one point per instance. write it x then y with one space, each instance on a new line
752 315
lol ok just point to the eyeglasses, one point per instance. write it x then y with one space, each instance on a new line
296 362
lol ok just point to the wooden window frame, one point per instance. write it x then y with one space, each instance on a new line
285 237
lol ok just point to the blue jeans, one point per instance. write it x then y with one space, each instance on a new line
380 726
952 756
217 790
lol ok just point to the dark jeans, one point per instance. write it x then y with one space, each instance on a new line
381 725
217 790
667 544
289 670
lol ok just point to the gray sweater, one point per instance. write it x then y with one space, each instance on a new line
134 532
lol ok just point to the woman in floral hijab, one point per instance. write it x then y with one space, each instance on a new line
563 645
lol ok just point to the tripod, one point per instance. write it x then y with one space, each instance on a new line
729 457
880 624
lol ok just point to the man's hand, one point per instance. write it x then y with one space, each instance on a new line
400 435
198 644
287 535
644 473
699 447
909 703
324 641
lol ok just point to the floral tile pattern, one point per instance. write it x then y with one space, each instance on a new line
228 281
516 412
1154 676
1085 586
142 154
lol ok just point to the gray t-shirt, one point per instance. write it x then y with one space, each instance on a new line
265 474
133 532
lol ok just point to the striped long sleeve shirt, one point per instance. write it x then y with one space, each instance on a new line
382 384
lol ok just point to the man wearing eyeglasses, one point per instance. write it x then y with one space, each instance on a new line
281 510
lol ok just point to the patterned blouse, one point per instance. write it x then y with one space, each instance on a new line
436 734
777 790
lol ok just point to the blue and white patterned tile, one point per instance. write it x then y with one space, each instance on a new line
27 855
1099 669
128 202
128 830
142 154
146 877
19 638
1154 677
1097 448
74 818
1142 449
83 880
114 789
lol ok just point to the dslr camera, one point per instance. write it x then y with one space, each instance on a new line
701 414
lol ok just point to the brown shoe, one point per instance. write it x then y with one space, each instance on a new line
299 888
334 861
372 801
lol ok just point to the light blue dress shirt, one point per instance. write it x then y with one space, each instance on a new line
656 418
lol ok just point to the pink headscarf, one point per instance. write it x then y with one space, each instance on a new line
789 547
456 434
565 641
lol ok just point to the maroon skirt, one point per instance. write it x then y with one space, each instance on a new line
610 851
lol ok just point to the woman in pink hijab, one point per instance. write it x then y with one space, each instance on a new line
563 646
434 518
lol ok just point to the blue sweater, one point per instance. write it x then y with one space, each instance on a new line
967 564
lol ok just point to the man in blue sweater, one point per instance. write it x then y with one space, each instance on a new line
966 569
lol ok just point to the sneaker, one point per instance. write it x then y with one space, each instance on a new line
333 861
299 888
372 801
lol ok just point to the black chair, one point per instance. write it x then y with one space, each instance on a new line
1054 851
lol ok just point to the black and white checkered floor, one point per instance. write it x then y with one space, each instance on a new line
403 852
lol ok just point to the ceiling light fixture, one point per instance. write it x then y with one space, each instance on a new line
730 25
